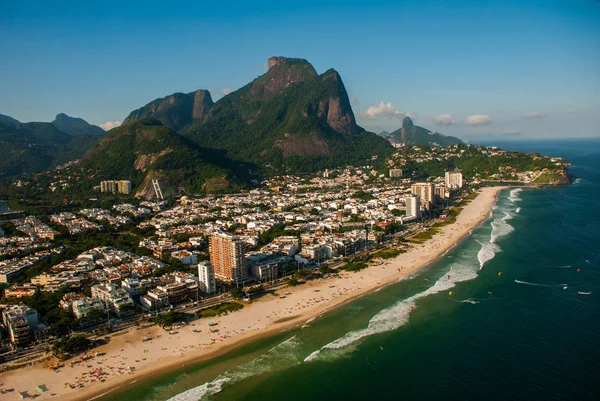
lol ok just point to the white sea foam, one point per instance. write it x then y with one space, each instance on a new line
507 216
500 228
486 253
275 357
392 318
514 195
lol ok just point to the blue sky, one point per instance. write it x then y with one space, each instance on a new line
459 67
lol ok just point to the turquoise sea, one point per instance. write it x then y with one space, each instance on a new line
522 323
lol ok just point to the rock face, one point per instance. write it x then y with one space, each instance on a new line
75 126
202 104
407 126
282 73
176 110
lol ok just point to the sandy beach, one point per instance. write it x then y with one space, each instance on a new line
127 358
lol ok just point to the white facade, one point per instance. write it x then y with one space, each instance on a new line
454 179
206 278
413 206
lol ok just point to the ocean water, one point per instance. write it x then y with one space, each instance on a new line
512 313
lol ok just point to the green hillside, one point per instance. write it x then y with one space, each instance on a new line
144 150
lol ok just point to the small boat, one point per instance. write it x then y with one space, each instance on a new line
584 292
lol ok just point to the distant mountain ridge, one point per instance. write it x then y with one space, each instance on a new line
8 120
36 146
410 134
75 126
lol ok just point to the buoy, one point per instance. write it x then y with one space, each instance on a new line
450 293
499 273
578 269
448 276
412 307
381 348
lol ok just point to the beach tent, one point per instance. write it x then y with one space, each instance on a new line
24 394
41 388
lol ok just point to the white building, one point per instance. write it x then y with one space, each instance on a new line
413 206
206 278
395 173
454 179
114 297
83 306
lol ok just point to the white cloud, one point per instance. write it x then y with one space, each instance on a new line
534 114
478 119
107 126
571 111
385 110
443 119
225 91
353 100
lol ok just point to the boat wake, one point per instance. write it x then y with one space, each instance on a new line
282 354
540 284
391 318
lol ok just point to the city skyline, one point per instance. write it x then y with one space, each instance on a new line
514 69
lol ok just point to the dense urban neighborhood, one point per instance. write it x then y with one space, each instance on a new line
98 268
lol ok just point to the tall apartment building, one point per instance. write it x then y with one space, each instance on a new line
441 192
413 206
425 192
227 257
454 179
395 173
120 187
206 278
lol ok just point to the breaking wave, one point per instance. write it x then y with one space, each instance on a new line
514 195
280 355
392 318
501 228
486 253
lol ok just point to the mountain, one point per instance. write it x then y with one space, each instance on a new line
411 134
75 126
37 146
177 110
29 147
289 119
8 120
144 150
384 134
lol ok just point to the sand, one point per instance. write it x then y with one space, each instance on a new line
126 358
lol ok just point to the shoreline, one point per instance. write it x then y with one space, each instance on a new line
241 328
